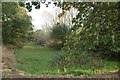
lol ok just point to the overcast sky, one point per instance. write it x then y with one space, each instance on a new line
47 16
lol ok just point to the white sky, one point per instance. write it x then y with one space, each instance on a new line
46 17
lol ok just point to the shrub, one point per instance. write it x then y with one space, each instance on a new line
58 34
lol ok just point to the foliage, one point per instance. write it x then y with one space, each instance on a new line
95 34
58 34
16 24
36 4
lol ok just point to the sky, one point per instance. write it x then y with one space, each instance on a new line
46 17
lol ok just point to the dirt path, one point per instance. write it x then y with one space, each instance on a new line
8 59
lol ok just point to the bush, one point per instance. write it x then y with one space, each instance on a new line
18 44
58 36
57 45
42 42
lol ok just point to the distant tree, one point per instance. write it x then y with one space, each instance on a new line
41 37
58 34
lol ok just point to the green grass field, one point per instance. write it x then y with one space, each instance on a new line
35 59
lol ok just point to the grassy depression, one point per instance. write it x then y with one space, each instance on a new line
35 59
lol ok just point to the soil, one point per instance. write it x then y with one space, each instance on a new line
8 60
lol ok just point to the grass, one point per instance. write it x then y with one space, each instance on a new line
35 59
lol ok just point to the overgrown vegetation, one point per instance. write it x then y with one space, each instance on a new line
35 59
90 46
16 24
58 33
94 35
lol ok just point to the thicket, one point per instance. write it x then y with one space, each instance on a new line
58 33
16 24
94 36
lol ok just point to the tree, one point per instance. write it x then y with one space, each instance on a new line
95 34
16 24
58 34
